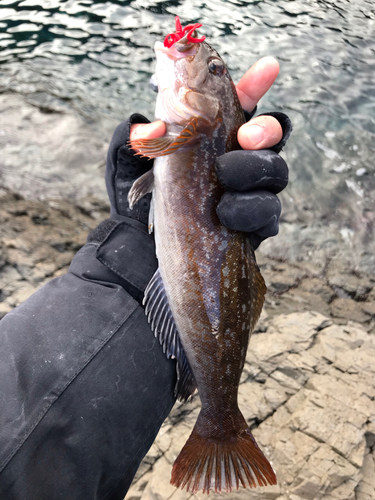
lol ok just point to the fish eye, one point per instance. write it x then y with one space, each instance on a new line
216 67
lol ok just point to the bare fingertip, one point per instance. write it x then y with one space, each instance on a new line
147 130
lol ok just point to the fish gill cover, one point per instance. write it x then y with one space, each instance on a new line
182 32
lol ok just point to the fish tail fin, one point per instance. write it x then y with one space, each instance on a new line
207 464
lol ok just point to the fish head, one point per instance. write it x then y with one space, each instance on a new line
193 81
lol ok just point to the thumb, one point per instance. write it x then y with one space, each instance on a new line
147 130
261 132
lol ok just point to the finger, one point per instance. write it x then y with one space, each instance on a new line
257 81
261 132
147 130
252 170
251 212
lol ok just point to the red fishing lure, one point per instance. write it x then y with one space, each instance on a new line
172 38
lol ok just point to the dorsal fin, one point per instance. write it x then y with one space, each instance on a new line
160 317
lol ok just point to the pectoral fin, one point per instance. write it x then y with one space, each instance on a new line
140 187
163 146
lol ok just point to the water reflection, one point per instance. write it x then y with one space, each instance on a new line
96 59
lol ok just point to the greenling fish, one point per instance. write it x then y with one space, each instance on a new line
207 294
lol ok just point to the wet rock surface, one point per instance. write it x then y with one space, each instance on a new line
38 241
308 386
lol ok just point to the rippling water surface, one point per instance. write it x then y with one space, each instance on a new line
96 59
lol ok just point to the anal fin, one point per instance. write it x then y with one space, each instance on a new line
166 145
160 316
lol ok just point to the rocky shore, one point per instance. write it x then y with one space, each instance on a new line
308 386
308 394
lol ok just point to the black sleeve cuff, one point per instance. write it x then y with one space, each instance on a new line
129 251
126 249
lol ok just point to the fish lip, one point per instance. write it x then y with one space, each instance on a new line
173 52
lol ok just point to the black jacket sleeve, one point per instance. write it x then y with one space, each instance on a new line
85 386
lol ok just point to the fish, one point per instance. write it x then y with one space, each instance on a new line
207 293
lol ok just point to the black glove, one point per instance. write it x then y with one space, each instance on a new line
251 180
123 168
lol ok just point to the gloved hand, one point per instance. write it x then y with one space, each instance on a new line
124 245
123 168
252 178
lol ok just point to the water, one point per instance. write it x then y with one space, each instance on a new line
95 59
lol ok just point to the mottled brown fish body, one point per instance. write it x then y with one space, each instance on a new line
213 287
206 270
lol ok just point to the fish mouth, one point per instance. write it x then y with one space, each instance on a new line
179 50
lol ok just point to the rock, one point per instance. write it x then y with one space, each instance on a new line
309 397
4 309
21 294
39 239
350 285
280 276
262 324
317 286
159 487
139 486
297 300
347 309
369 308
343 276
366 487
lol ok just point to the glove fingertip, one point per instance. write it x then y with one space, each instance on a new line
221 168
286 126
255 240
